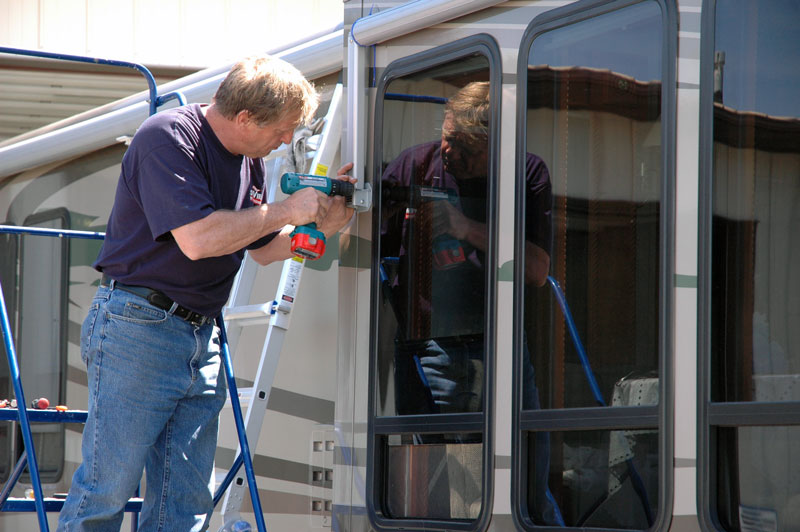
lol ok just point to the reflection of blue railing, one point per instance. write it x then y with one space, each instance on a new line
26 416
576 340
414 98
155 100
636 479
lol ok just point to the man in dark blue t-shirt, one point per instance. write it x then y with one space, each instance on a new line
188 203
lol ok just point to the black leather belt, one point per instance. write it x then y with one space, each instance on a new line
159 300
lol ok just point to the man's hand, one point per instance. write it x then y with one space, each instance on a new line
306 205
448 219
338 215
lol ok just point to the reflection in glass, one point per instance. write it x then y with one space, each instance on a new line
434 481
756 193
594 117
431 315
758 478
41 348
603 479
433 241
8 268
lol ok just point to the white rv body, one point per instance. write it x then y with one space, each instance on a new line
315 459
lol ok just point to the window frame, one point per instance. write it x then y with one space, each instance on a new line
600 418
483 422
714 415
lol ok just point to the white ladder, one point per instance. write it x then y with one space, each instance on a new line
276 313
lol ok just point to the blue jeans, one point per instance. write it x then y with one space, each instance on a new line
155 392
445 375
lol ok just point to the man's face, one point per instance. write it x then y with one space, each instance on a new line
463 157
259 141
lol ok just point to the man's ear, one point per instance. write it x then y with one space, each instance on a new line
243 118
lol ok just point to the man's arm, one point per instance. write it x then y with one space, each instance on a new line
450 220
223 232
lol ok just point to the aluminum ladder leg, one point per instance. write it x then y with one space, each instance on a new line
276 314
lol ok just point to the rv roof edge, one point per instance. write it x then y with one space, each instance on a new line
316 57
412 16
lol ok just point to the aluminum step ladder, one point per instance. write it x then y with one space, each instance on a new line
275 314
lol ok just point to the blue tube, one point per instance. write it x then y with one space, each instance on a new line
576 339
237 464
41 231
636 479
22 411
12 479
151 82
414 98
240 428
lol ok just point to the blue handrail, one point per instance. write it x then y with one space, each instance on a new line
155 100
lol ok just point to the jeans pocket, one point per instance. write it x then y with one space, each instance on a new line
87 329
136 313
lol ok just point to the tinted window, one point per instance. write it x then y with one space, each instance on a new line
433 298
755 264
590 331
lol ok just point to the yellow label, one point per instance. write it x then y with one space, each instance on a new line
320 169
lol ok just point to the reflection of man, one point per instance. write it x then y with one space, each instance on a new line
435 224
435 200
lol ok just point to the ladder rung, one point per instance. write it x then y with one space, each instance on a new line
249 314
51 504
45 416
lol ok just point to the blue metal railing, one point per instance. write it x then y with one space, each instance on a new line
155 100
26 416
636 479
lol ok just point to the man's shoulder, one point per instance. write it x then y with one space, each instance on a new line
419 153
172 121
178 124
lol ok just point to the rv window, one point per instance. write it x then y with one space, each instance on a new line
433 194
432 296
8 279
590 178
754 290
42 334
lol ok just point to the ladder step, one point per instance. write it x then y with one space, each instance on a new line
46 416
250 314
51 504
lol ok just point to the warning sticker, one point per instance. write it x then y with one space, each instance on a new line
753 519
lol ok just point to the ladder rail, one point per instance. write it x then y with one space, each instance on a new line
278 324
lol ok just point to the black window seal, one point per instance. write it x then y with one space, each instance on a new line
485 45
577 419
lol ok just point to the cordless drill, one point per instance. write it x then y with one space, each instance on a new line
307 241
447 251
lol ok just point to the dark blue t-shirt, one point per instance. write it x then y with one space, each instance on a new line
176 171
446 301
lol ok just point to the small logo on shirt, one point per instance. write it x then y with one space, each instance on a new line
256 195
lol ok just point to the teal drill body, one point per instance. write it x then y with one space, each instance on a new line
307 241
